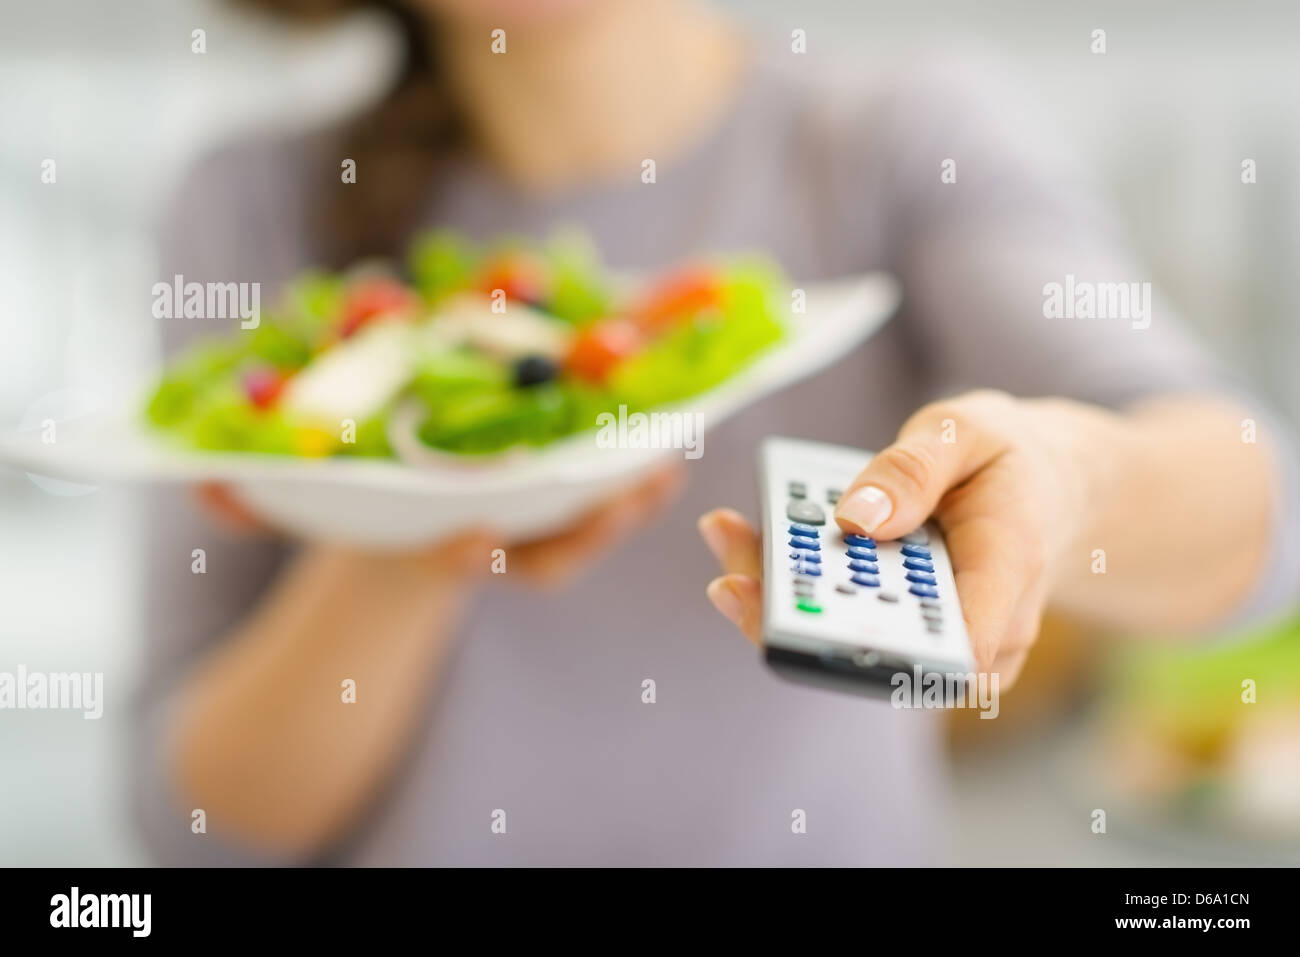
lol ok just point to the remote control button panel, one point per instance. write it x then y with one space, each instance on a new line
828 591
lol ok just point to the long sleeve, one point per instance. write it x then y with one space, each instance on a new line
1016 222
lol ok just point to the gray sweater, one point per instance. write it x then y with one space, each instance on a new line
539 710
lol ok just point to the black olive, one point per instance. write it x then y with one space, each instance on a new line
534 370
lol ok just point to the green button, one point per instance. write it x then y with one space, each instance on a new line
809 607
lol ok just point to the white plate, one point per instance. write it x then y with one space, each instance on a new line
392 504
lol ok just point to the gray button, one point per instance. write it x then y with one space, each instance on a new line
803 586
918 537
887 596
806 512
931 603
931 614
934 627
833 497
798 490
846 589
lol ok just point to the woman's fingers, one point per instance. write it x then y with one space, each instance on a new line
939 447
555 561
738 594
552 561
733 541
740 599
993 579
221 502
1008 667
1015 644
999 578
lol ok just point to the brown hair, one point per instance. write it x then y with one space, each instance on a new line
396 143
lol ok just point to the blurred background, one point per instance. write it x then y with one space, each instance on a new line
1185 92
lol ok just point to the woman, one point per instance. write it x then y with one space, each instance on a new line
497 723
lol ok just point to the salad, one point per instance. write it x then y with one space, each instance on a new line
494 346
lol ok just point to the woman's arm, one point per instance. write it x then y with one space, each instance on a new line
1031 492
1028 491
263 739
1189 513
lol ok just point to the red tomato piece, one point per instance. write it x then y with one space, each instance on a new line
263 386
601 346
370 298
521 278
678 297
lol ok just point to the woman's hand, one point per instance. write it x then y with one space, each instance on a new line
1012 483
555 561
261 741
551 562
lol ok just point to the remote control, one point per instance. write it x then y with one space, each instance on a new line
844 611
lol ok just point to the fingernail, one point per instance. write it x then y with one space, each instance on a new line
725 600
867 508
713 537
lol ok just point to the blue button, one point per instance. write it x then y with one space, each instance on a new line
917 565
860 540
798 528
804 568
868 581
921 578
865 554
810 543
924 591
916 551
871 568
806 556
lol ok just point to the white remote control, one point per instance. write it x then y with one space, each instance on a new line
843 611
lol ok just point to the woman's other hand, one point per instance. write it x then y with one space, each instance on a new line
550 562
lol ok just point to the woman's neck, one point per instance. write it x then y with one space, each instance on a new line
596 93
